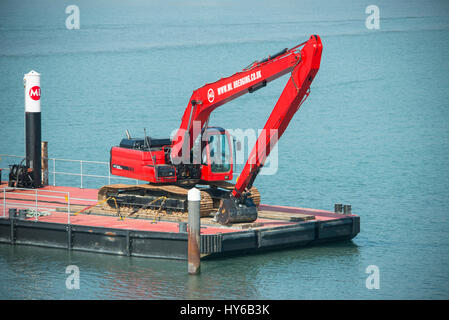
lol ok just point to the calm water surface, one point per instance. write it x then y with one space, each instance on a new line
374 133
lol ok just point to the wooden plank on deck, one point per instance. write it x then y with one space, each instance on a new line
285 216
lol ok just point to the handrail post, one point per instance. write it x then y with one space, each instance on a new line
81 165
4 202
37 205
68 207
54 172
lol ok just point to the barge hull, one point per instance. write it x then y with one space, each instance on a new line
168 239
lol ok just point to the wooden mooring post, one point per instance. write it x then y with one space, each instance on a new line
44 163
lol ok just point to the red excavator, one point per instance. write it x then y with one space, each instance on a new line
202 156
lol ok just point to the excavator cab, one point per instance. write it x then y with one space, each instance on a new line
216 158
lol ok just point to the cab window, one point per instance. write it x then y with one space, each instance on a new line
219 153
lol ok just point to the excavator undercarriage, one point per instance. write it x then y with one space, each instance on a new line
166 200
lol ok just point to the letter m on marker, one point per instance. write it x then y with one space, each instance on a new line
35 93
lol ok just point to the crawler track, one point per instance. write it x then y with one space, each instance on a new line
148 199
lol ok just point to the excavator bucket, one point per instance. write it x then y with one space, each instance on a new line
234 211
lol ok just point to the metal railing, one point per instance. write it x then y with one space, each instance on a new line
82 174
40 200
34 199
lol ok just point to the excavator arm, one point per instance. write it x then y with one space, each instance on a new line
294 94
303 61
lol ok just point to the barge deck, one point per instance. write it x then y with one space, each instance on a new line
95 231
